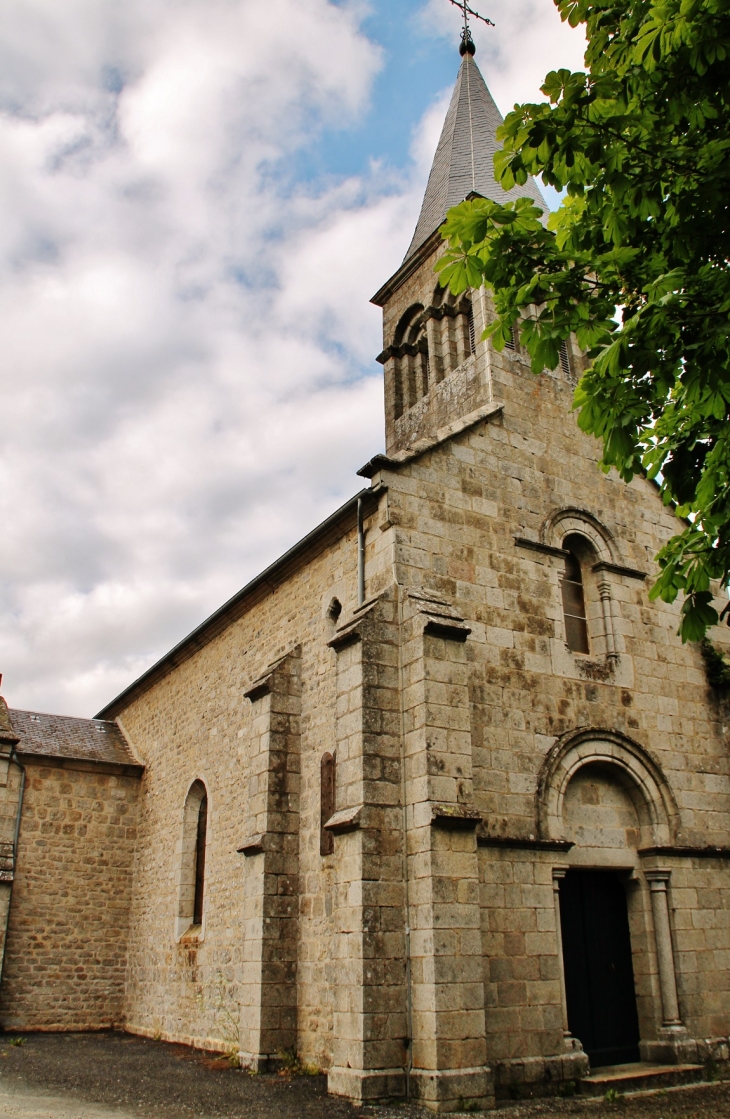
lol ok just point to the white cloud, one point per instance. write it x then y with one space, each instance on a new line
514 56
183 341
187 378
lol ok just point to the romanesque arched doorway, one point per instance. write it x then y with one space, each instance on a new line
608 798
601 818
599 975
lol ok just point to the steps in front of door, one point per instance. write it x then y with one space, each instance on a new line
638 1077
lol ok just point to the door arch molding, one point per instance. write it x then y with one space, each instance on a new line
632 765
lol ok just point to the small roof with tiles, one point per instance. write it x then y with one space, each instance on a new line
464 160
62 736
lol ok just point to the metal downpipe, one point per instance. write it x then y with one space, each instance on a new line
360 554
21 794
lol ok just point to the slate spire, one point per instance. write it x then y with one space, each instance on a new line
464 160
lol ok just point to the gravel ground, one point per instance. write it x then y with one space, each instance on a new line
118 1076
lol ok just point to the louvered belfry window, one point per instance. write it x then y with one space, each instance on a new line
574 604
472 331
200 861
565 359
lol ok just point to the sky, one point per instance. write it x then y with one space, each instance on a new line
199 198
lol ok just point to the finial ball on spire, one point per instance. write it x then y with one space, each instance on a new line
467 46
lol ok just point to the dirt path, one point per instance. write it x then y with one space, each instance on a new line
118 1076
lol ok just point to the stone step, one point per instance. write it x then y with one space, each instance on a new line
638 1077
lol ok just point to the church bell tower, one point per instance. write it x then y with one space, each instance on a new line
437 371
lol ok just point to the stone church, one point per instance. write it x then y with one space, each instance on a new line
439 802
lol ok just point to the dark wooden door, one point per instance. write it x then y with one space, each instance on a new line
599 975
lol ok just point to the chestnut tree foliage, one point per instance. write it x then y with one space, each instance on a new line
635 262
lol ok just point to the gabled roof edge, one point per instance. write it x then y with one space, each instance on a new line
236 606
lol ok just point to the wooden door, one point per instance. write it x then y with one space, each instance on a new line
599 974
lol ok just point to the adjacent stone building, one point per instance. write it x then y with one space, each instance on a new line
439 802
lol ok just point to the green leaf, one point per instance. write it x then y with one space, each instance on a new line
633 263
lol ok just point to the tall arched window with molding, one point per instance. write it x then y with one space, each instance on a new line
574 597
411 354
591 559
191 894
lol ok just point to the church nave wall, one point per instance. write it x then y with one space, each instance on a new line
198 724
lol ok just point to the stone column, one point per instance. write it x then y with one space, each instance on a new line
449 1069
271 893
462 332
604 590
570 1044
658 880
448 339
369 956
558 875
433 334
393 387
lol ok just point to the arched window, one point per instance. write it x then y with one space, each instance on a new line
191 895
574 601
410 351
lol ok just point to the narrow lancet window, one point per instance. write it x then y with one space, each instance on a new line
472 331
574 604
327 803
192 860
200 861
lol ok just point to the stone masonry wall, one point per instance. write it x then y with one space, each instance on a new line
197 723
476 522
458 513
67 939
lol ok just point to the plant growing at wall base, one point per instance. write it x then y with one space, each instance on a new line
640 142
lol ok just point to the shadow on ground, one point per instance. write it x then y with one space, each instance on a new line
144 1079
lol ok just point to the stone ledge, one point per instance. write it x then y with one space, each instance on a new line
349 633
427 443
452 631
253 845
347 819
529 843
619 569
686 852
538 546
454 817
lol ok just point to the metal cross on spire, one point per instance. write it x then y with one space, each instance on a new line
467 43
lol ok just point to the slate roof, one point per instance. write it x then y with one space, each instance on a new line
61 736
464 160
